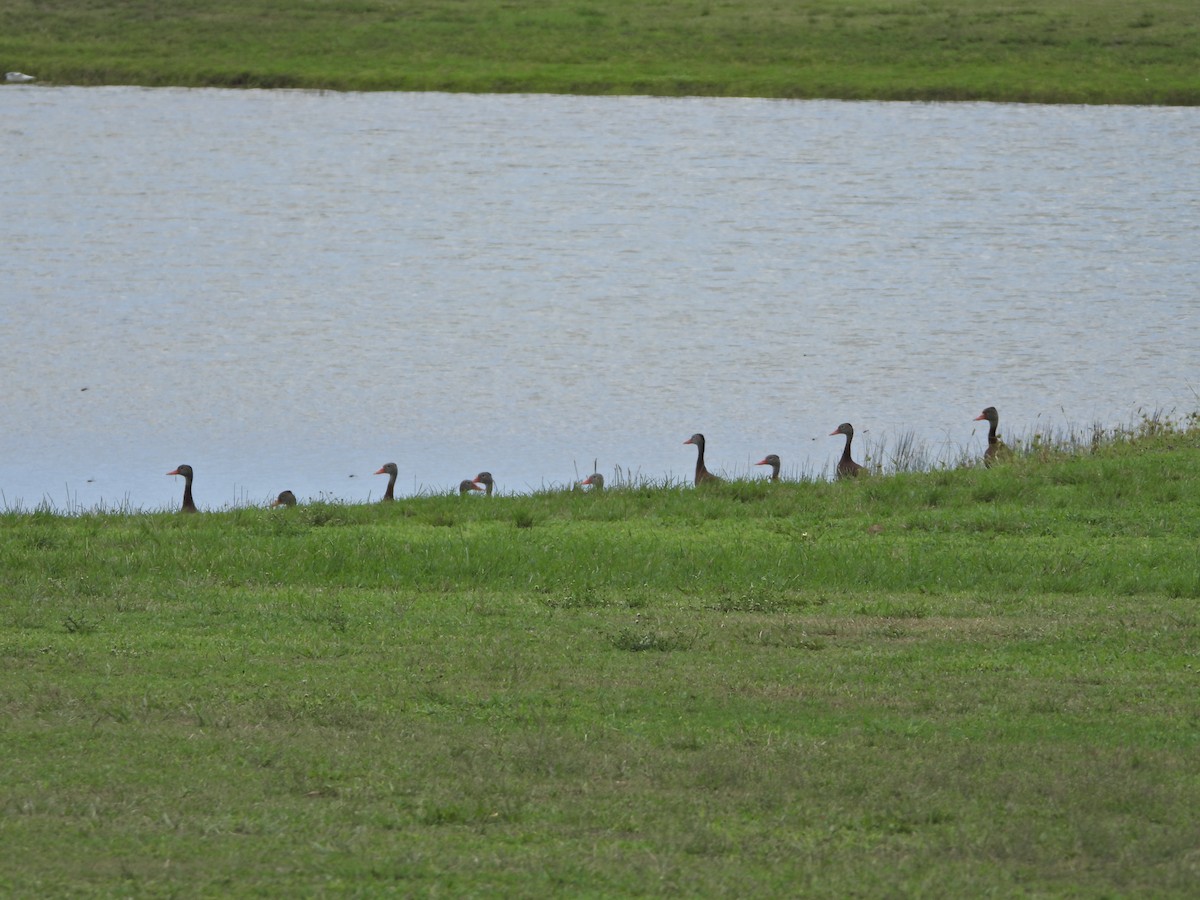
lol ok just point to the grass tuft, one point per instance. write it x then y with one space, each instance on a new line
638 640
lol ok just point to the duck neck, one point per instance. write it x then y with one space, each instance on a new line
390 493
846 449
189 505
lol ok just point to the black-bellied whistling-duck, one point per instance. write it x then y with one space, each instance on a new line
466 486
846 467
773 461
595 481
703 476
485 478
189 505
285 498
996 448
391 470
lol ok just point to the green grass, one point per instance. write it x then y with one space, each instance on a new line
1069 51
958 682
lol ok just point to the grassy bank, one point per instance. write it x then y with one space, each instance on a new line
1097 51
955 682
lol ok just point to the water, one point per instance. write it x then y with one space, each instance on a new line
289 289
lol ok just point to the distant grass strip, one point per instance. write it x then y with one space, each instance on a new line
959 682
1058 51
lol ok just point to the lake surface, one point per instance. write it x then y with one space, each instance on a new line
289 289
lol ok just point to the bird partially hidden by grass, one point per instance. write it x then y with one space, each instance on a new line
771 460
485 478
189 505
391 470
847 467
703 476
997 450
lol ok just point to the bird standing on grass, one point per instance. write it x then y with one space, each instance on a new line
185 470
773 461
703 476
846 467
391 470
